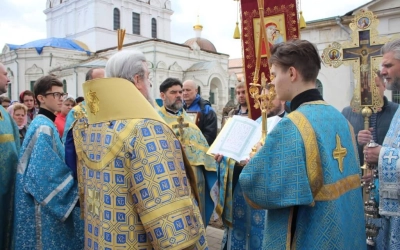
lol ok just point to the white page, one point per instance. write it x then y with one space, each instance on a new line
237 138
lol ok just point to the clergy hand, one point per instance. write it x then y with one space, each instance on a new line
364 136
244 162
372 154
367 178
218 157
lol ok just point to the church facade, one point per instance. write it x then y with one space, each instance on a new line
93 25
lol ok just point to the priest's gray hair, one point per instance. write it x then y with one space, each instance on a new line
393 46
126 64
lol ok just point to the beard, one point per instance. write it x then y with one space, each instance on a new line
176 106
395 85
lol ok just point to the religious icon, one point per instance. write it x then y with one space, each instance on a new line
275 29
334 54
363 23
365 76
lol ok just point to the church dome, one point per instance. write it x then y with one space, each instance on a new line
203 43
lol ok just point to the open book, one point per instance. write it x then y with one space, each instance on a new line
239 135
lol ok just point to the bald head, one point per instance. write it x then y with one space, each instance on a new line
189 91
3 79
95 73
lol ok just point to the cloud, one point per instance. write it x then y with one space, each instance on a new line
23 20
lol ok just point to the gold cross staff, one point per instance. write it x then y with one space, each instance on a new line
180 126
339 153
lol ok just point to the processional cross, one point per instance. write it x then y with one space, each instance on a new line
363 53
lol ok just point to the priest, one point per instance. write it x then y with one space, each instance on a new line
307 174
193 141
387 157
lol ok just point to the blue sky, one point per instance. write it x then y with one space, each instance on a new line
23 20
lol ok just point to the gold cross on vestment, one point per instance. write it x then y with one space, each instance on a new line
339 153
180 126
93 201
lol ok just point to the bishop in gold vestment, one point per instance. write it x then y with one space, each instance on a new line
136 187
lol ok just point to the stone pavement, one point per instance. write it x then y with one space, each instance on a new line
214 238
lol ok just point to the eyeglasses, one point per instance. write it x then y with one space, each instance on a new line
58 95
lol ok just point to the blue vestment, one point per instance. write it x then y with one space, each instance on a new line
9 147
45 193
247 227
389 186
308 177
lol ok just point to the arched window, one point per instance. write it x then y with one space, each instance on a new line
65 86
135 23
199 90
153 28
318 85
117 19
395 96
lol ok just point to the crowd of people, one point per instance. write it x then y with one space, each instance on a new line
115 170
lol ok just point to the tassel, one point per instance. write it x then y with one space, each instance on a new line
236 34
302 22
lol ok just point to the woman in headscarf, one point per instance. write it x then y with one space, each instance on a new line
18 111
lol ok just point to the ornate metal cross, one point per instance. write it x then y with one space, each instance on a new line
363 53
180 126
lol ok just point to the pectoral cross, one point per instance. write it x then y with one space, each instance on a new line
93 201
180 126
339 153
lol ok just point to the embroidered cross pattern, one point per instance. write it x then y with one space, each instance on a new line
339 153
93 201
391 157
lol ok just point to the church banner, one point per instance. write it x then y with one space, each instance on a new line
281 24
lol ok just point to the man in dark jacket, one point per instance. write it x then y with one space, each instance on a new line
208 123
379 122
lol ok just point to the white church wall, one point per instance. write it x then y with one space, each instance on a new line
92 22
27 65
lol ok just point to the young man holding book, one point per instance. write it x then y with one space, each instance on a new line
307 174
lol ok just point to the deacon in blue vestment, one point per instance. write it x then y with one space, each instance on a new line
46 216
387 158
307 174
245 226
9 147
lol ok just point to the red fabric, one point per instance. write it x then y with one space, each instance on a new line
249 11
60 123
